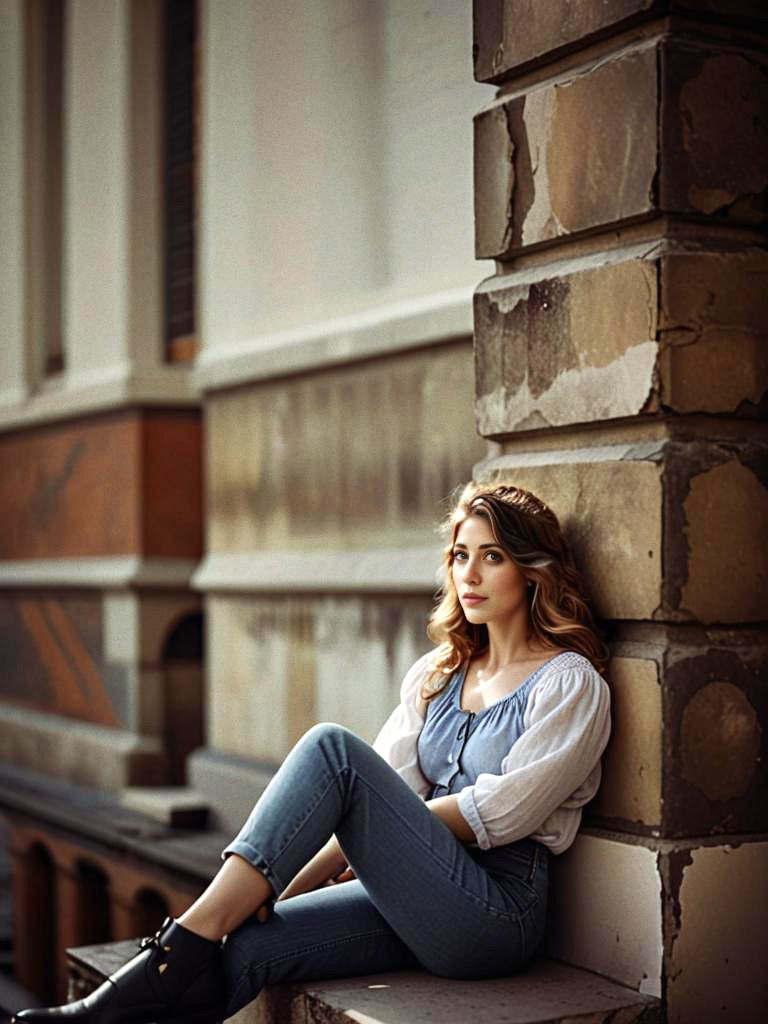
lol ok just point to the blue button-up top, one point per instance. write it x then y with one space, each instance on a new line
455 746
523 766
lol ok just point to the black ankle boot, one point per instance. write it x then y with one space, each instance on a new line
175 978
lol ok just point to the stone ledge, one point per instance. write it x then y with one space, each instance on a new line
545 992
87 815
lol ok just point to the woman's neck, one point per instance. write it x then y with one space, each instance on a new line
510 643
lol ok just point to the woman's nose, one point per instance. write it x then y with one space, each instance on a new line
472 572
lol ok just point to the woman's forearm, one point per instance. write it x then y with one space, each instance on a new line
326 863
447 810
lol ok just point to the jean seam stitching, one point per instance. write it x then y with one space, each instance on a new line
447 869
248 971
270 862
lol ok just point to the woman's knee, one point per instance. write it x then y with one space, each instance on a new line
329 734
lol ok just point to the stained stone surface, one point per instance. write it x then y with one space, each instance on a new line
584 152
665 127
631 786
651 333
502 49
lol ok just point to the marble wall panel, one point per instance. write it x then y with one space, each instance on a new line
357 456
280 664
52 655
114 484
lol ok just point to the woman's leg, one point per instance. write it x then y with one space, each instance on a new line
236 892
457 918
332 932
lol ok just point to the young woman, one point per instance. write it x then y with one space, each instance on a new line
430 848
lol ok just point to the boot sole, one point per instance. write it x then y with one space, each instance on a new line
201 1017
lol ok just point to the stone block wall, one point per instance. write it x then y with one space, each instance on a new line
620 184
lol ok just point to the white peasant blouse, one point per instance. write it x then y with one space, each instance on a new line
551 770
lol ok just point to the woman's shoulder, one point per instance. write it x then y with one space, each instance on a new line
570 665
418 673
569 680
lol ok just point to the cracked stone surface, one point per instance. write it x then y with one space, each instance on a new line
714 310
607 144
714 134
501 49
684 332
584 152
568 349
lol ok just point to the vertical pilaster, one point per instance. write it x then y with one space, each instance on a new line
620 184
13 375
112 190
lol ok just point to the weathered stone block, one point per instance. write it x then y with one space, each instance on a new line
714 143
630 502
569 349
715 928
501 47
668 127
510 36
680 920
687 727
713 315
606 910
715 723
631 786
716 498
584 153
672 331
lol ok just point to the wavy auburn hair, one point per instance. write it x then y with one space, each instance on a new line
529 532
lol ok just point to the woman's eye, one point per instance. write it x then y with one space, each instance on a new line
459 556
493 556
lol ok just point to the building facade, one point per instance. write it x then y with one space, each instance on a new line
238 385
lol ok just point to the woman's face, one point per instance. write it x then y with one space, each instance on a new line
489 585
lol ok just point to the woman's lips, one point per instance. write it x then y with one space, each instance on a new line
473 599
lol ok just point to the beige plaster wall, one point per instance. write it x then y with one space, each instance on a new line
337 167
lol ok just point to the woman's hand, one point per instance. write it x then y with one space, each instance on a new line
343 876
328 863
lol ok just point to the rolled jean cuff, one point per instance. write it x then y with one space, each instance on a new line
257 860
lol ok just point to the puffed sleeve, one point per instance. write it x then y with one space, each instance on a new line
552 769
398 738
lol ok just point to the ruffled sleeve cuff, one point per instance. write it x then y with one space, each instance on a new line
469 812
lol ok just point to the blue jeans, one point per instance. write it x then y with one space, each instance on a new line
422 898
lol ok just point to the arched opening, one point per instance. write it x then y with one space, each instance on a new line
182 661
150 911
35 936
94 907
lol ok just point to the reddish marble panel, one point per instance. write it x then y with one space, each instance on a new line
118 484
172 506
51 653
71 489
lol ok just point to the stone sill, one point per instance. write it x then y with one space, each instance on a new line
546 992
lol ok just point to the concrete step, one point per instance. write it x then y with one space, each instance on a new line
546 992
